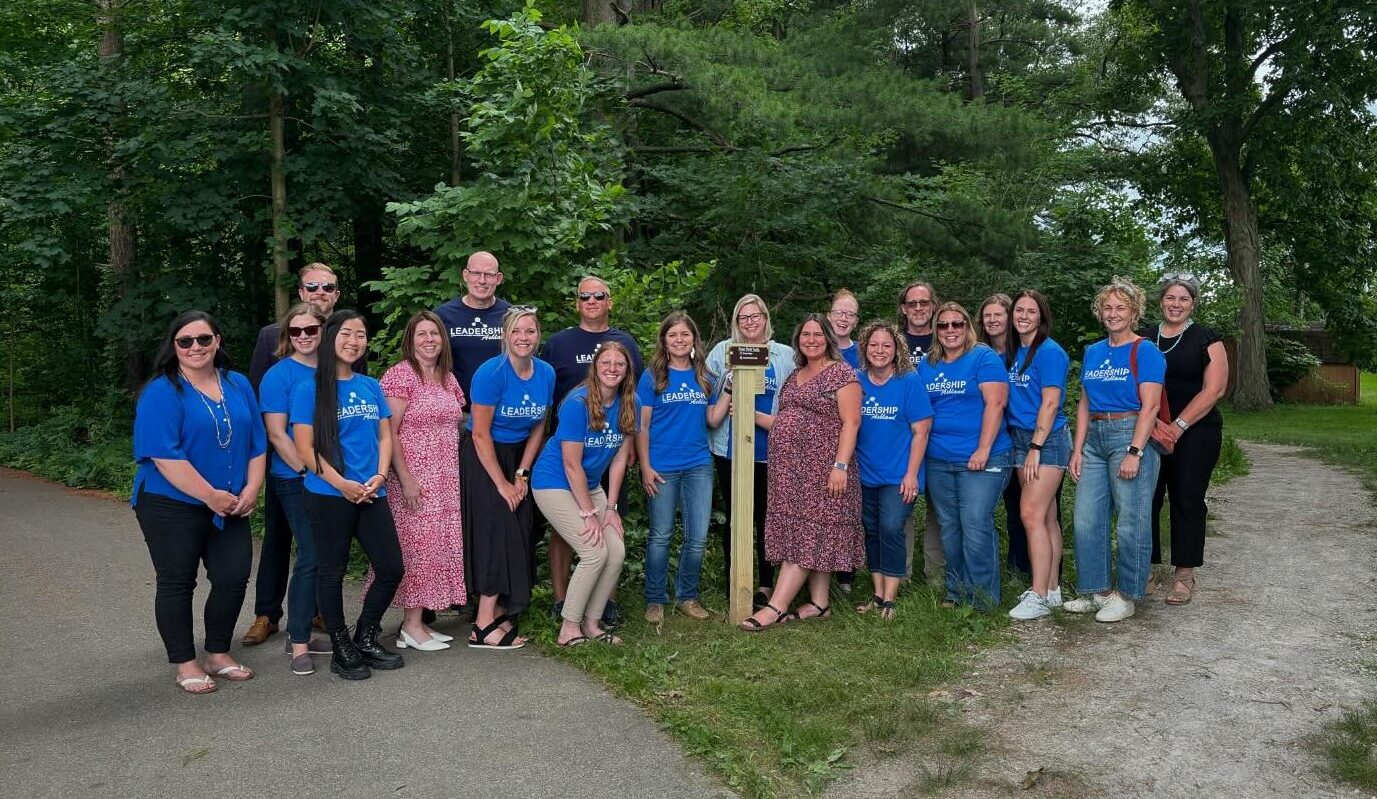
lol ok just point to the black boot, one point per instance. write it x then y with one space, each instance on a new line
366 639
346 660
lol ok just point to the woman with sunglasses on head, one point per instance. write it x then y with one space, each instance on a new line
1197 377
594 435
201 452
969 456
1112 460
675 394
427 411
750 324
298 342
341 426
1042 449
509 399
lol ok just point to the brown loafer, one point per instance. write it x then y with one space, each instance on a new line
259 631
655 613
694 609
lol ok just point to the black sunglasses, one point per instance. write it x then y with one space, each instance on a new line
956 325
585 296
328 288
298 332
185 342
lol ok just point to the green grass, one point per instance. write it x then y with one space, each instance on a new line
1345 435
1349 747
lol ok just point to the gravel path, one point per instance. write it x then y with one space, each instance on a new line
1213 699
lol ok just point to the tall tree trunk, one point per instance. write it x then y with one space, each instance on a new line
278 177
368 257
456 152
1245 264
596 12
977 77
122 242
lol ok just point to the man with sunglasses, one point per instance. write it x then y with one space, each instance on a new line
473 321
917 302
316 284
570 351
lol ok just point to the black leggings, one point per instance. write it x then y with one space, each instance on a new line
335 521
1186 474
761 492
181 536
274 558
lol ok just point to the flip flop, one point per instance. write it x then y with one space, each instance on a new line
228 673
188 684
607 638
575 641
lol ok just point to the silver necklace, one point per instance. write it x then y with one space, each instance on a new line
1178 336
229 426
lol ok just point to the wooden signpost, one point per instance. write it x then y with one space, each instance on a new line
748 365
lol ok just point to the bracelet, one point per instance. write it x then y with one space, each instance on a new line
1033 445
377 474
521 478
612 506
588 514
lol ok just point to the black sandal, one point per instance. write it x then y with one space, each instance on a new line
887 611
507 642
876 601
750 625
823 612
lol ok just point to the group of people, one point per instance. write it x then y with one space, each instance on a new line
443 469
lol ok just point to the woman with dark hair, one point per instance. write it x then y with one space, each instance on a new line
509 399
595 433
676 464
969 455
996 332
201 453
1042 448
813 520
427 411
1197 377
298 343
343 435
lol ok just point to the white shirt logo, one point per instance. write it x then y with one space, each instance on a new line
1107 373
941 385
872 409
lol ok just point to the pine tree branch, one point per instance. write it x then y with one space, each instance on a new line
717 138
655 88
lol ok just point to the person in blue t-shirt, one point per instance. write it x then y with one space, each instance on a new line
1112 460
595 434
970 456
843 316
201 453
896 418
297 345
473 321
676 464
1042 448
511 396
341 428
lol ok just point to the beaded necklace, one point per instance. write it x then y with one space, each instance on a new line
1178 336
229 426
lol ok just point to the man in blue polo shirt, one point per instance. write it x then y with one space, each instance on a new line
474 321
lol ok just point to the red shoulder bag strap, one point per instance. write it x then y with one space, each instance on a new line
1163 409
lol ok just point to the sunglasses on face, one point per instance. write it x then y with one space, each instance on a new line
917 303
956 325
298 332
312 288
585 296
185 342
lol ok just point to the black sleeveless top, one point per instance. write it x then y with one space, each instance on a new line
1187 356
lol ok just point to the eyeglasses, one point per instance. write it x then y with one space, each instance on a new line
585 296
476 275
298 332
917 303
185 342
844 314
959 324
312 288
749 318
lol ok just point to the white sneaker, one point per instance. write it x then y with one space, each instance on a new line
1115 608
1030 606
1085 604
1053 599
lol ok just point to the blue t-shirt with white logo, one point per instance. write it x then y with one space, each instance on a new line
475 335
678 420
957 404
518 405
764 403
275 396
360 410
599 446
888 412
1048 370
1107 376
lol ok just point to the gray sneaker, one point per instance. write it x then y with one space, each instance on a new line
1115 608
1030 606
316 646
1086 604
303 665
1054 598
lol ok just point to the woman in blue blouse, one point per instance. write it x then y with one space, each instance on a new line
676 464
1111 459
510 397
970 456
201 454
896 418
1042 447
595 434
341 428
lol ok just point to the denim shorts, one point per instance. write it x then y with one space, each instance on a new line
1056 450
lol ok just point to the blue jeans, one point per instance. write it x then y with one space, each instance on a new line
1099 495
689 491
301 591
883 512
965 502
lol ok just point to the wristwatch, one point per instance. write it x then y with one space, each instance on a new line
523 474
1132 450
1182 423
1035 445
612 506
839 465
303 471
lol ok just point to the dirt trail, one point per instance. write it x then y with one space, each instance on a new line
1213 699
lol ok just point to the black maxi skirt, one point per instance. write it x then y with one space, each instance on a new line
498 547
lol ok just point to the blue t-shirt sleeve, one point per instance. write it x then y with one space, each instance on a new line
258 434
917 406
645 391
303 405
573 419
275 392
158 423
989 368
1052 364
485 388
1152 364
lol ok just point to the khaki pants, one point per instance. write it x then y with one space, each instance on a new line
599 567
934 559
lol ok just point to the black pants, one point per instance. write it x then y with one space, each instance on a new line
1018 534
274 559
181 537
335 521
761 491
1186 475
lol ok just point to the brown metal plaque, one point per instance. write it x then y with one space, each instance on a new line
748 355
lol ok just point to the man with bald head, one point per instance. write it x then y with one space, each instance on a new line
474 321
